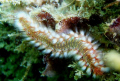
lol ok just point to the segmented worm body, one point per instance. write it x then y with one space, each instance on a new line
77 45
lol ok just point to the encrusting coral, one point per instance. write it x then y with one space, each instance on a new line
59 29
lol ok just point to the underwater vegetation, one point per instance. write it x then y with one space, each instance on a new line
59 40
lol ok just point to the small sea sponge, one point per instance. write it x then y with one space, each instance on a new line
46 19
112 59
115 26
113 31
73 23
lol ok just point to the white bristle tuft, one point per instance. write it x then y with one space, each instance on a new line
79 39
94 75
45 30
41 47
82 33
67 36
32 42
54 41
65 54
81 63
92 55
89 39
86 44
47 51
40 28
83 68
105 69
95 47
50 29
91 52
57 54
76 30
61 39
61 56
19 25
93 60
37 44
72 52
63 35
28 38
57 36
89 47
96 64
78 57
35 26
101 63
52 55
21 14
53 33
75 35
71 32
83 38
50 37
88 71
